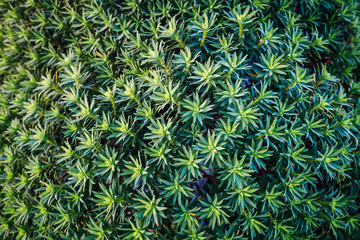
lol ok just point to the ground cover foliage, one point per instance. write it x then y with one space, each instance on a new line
205 119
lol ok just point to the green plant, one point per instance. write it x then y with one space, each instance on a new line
179 119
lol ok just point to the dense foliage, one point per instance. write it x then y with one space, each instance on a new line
204 119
